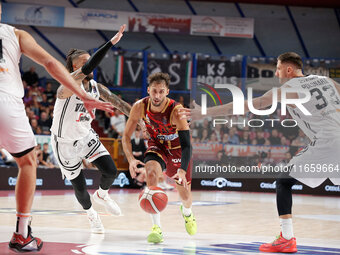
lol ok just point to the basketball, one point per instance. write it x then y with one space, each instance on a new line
153 199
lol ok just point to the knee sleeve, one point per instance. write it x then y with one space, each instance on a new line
108 169
284 200
79 186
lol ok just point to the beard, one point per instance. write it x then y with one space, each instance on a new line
158 103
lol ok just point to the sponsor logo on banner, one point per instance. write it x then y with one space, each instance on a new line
221 183
154 23
265 185
94 19
37 15
205 25
238 27
331 188
218 72
12 181
121 180
132 71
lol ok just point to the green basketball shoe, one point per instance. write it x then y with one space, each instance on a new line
190 223
156 235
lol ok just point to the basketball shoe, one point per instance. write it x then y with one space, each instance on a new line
280 244
190 223
156 235
96 224
110 205
30 244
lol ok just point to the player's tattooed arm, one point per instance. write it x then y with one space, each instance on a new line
64 92
115 100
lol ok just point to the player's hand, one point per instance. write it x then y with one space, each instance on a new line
180 178
91 103
192 114
134 170
119 35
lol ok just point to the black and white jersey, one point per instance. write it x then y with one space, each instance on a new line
71 121
324 106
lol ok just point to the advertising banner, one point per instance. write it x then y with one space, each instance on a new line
238 27
155 23
218 71
54 16
208 26
51 179
35 15
130 72
262 185
94 19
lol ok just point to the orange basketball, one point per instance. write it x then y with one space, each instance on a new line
153 199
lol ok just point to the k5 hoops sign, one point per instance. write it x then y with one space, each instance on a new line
238 103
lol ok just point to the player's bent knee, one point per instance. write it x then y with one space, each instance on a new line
29 159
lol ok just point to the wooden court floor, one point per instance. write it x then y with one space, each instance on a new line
228 223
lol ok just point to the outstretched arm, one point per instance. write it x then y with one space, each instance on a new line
33 50
117 102
91 63
227 109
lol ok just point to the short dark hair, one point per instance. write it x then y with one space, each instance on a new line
72 55
158 78
291 58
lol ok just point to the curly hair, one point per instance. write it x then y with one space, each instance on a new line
158 78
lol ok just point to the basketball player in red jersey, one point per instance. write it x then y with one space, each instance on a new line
169 147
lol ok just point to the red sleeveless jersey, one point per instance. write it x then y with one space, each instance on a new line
158 124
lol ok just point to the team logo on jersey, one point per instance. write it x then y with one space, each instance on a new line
83 117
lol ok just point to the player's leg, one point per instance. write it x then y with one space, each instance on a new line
94 151
285 242
83 197
189 218
25 186
16 136
153 167
174 159
22 239
70 164
108 169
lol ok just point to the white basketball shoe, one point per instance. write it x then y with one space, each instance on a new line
110 205
96 224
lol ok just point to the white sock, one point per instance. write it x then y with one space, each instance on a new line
287 228
156 219
91 211
102 192
22 224
186 211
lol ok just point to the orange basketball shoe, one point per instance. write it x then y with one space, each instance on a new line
280 244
